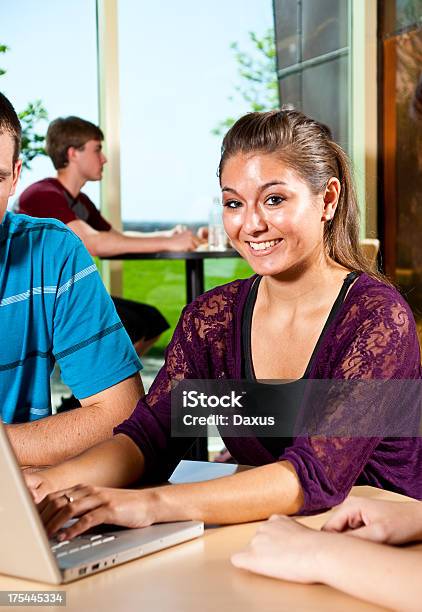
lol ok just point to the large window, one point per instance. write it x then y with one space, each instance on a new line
178 76
313 59
52 57
177 73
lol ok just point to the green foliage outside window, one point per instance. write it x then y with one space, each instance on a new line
257 70
30 117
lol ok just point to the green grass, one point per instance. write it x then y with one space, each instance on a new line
162 284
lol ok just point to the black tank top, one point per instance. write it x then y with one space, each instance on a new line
285 397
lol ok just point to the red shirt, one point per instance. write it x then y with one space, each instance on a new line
48 198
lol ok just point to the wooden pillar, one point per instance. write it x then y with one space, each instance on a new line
364 109
109 112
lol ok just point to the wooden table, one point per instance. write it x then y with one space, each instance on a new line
198 576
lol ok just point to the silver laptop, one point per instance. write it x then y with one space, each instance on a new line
31 555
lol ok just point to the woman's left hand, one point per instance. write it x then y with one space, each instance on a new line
282 548
94 506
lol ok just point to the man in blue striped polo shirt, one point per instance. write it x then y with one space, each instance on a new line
54 307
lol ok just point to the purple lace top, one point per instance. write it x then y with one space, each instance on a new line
372 336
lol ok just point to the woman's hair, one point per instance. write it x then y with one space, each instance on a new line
307 147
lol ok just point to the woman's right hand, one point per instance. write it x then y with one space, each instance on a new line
378 521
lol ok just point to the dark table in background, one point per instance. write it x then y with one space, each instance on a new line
194 265
194 274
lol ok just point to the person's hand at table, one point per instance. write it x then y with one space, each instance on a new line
38 484
94 506
384 575
388 522
202 233
282 548
183 241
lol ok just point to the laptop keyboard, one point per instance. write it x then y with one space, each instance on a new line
83 542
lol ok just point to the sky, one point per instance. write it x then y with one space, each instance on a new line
177 72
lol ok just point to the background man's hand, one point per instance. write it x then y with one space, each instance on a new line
183 241
202 233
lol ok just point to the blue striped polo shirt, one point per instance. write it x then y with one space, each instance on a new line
54 307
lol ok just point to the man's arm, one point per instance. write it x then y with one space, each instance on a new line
53 439
112 242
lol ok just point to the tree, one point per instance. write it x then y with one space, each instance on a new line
258 73
3 49
32 141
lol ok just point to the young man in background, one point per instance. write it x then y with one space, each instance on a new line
75 148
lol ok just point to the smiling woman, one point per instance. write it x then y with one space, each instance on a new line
292 178
313 310
275 224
